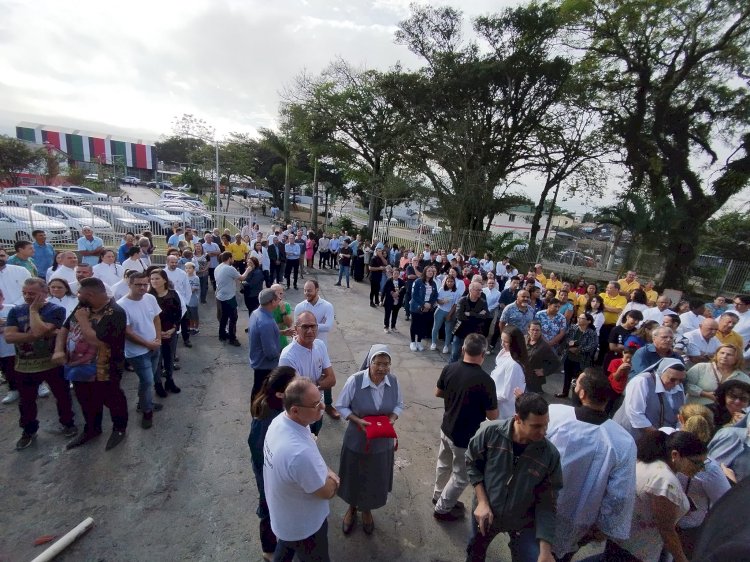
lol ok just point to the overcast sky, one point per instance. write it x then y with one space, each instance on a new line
130 68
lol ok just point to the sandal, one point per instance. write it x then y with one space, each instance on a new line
368 528
347 528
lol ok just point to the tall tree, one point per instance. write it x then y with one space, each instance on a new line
670 82
17 157
282 146
473 112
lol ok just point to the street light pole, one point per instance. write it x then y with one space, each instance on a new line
217 173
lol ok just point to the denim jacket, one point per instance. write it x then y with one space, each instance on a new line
418 291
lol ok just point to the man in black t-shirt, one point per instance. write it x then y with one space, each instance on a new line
470 398
91 345
345 262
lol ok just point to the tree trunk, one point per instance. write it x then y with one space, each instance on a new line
681 250
287 210
315 197
551 214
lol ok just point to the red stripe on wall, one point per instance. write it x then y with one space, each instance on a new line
99 150
140 156
53 138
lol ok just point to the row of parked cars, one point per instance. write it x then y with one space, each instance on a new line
63 222
69 195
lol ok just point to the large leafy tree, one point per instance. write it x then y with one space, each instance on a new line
670 82
18 157
473 113
727 236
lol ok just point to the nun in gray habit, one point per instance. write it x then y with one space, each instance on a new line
366 470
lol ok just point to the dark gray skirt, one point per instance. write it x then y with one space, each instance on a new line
366 478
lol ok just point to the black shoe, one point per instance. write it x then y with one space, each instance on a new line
453 515
459 504
156 407
373 305
223 337
235 343
25 441
172 387
114 440
188 344
176 367
295 288
337 284
159 389
147 421
82 439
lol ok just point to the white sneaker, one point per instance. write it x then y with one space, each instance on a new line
43 391
11 397
433 347
386 330
420 347
446 349
413 346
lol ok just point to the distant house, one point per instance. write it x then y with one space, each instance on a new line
518 220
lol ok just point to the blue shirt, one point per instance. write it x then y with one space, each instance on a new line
644 358
551 327
263 333
44 257
89 245
334 245
122 252
292 251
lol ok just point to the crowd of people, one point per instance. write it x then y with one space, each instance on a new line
652 431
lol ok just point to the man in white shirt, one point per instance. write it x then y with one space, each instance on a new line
658 312
702 342
692 319
226 277
181 285
309 356
11 279
742 309
297 481
67 268
142 340
324 314
598 464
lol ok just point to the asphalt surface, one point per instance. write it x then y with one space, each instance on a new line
184 490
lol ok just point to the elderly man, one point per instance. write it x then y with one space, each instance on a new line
309 357
726 333
179 280
598 466
67 268
653 398
702 343
324 314
298 484
471 314
12 278
519 313
263 334
122 251
658 312
89 246
662 346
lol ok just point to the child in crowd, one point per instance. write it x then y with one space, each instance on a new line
618 371
195 288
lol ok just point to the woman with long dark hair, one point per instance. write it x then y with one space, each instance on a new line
376 268
253 284
424 295
508 373
578 350
171 313
268 404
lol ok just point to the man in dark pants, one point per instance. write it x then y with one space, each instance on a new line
293 253
32 328
226 295
97 326
277 256
516 474
263 334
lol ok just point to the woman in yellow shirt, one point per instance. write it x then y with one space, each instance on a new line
553 282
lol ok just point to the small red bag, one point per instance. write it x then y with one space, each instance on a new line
380 428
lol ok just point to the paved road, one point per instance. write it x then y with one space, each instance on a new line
184 490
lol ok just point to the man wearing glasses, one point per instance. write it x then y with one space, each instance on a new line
662 346
298 482
653 398
309 357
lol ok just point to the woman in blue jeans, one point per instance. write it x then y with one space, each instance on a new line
445 313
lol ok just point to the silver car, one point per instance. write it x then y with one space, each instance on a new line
84 193
75 218
121 220
160 220
23 196
18 223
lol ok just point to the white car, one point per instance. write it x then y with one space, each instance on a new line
17 224
67 198
160 220
132 180
189 214
22 196
84 193
75 218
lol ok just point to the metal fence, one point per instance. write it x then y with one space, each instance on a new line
411 235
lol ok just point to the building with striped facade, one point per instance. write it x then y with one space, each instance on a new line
79 147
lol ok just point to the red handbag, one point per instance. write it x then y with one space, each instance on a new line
380 428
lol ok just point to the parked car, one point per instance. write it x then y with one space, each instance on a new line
92 177
160 220
184 187
84 193
67 197
159 184
23 196
189 214
183 197
17 224
132 180
576 258
74 217
121 220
